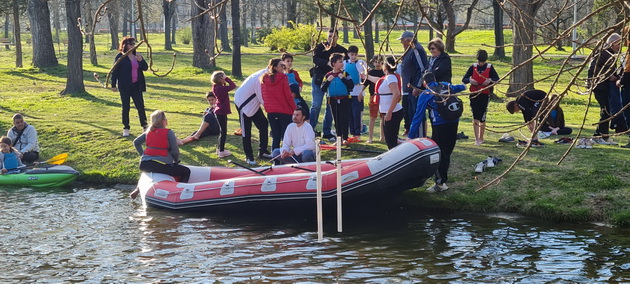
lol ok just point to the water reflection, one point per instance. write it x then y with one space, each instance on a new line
97 235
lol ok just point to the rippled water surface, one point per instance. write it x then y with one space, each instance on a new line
98 235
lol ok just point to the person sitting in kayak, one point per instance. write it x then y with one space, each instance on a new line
162 152
298 144
10 158
24 138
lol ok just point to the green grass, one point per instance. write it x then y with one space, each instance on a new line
590 185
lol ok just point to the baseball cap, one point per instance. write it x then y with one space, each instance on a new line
405 34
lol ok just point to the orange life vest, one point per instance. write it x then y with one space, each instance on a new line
480 78
157 142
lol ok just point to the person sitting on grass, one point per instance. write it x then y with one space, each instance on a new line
209 125
24 137
554 124
9 157
162 152
529 102
298 145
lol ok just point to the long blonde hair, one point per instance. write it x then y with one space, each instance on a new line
157 119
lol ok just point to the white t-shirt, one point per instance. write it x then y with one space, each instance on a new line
299 138
250 86
386 100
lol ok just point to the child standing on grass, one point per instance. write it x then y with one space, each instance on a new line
292 75
10 158
377 72
338 85
356 69
221 86
209 125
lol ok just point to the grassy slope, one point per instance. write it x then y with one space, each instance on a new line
591 185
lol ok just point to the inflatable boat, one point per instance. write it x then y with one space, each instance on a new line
406 166
42 176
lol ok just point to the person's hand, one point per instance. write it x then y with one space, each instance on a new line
363 76
613 78
360 98
284 154
408 139
618 83
473 82
180 142
415 92
487 82
554 131
388 116
341 75
139 57
4 171
330 78
114 89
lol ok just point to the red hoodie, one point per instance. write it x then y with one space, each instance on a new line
277 95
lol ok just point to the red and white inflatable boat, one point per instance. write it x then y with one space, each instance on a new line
406 166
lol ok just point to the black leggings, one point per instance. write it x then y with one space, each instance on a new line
391 128
262 124
445 136
604 112
174 170
138 101
222 119
341 111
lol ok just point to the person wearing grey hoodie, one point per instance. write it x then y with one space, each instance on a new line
24 137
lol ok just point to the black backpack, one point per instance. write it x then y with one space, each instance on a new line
449 107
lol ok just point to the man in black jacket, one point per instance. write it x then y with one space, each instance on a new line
321 56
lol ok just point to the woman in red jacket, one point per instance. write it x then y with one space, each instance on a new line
278 101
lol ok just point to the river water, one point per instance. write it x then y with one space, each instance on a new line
99 235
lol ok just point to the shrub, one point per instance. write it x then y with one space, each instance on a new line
185 35
262 33
297 37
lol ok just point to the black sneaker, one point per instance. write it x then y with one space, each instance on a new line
536 144
265 155
626 146
318 134
461 135
328 136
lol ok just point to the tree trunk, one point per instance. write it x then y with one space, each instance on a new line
90 30
377 37
253 20
244 31
344 24
6 26
16 34
267 16
236 39
174 20
75 49
523 27
291 13
367 30
57 21
41 35
168 9
113 16
499 39
453 29
202 36
125 22
223 29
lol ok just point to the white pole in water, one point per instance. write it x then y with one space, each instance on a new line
339 223
318 167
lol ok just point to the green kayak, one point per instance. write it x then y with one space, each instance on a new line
42 176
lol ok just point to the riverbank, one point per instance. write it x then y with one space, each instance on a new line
589 185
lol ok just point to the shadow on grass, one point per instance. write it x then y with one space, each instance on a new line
11 111
30 77
90 97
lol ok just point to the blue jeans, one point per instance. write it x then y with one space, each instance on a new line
306 156
316 106
356 121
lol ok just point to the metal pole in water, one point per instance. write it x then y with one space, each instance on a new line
318 168
339 223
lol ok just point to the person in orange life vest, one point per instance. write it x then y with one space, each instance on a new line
128 78
376 72
277 99
10 158
389 90
209 125
292 74
162 152
338 84
480 75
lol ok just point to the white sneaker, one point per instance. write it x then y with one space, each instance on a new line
224 153
125 132
490 162
480 167
250 162
437 188
600 141
543 135
611 142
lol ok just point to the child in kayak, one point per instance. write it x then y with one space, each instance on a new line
10 158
